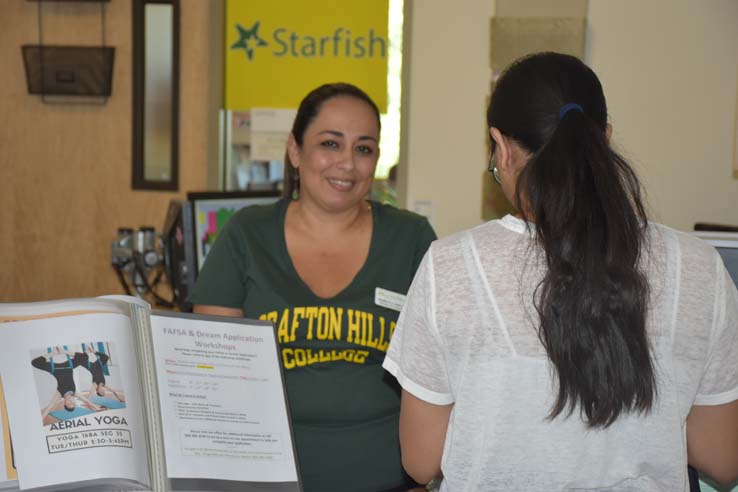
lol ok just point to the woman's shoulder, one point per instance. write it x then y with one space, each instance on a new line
689 244
404 223
401 216
490 231
260 212
698 261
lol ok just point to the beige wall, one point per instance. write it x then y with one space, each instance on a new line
445 96
669 68
65 171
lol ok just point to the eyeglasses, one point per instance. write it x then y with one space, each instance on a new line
491 167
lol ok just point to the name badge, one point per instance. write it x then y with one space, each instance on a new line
388 299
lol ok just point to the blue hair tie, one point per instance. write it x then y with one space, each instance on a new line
568 107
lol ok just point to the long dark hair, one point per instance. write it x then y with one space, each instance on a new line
590 222
308 110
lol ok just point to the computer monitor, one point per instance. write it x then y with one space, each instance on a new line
212 210
179 251
726 244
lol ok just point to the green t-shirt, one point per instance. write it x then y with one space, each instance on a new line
344 406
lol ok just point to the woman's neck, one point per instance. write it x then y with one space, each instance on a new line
311 217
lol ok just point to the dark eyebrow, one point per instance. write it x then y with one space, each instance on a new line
340 134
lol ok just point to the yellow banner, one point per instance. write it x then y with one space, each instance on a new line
279 50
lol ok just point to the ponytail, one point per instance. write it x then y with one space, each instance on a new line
590 223
592 302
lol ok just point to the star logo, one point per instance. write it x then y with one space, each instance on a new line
248 39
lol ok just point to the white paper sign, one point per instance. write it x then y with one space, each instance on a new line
222 401
269 130
55 447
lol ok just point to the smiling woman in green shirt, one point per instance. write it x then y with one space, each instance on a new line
330 270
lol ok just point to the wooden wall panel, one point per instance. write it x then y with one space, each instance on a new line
65 170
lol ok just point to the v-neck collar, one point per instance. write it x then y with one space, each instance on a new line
292 271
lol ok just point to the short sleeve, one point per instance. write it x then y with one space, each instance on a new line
416 356
221 279
719 382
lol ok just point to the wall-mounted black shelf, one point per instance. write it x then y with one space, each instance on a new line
69 70
84 73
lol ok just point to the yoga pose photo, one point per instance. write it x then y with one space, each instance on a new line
82 365
96 363
60 363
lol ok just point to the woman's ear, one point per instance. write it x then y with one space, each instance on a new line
608 132
293 151
502 149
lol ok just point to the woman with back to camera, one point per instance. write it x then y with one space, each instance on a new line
575 346
327 267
